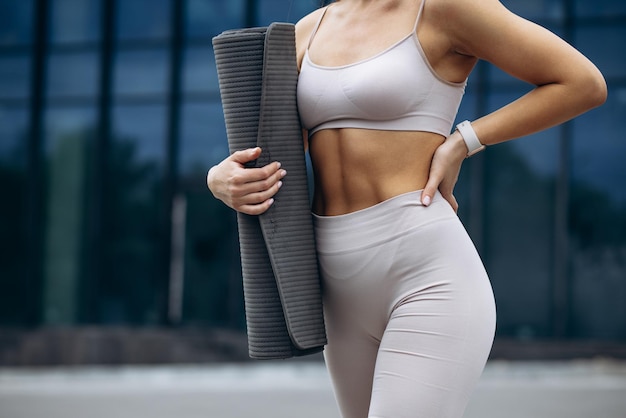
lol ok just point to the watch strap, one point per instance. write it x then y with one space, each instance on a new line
469 136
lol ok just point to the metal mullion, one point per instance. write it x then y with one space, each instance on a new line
71 101
250 13
95 267
143 44
561 282
74 47
171 167
36 201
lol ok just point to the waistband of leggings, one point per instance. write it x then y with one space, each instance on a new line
383 221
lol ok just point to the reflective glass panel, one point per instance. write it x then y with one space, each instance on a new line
16 22
141 72
598 221
75 20
520 188
205 19
133 249
609 8
141 131
284 11
213 291
203 141
15 70
599 148
69 134
73 74
143 19
200 73
604 46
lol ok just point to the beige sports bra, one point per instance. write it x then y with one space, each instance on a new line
395 90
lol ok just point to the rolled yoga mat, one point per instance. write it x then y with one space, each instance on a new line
258 75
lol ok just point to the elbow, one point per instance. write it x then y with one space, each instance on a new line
602 93
594 89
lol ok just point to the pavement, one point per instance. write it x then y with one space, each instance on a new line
572 389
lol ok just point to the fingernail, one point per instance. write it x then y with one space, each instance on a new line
279 164
283 173
280 184
271 201
426 200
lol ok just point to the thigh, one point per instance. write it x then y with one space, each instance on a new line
350 357
432 354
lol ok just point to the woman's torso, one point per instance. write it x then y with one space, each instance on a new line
354 167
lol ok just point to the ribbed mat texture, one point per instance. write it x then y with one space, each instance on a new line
258 75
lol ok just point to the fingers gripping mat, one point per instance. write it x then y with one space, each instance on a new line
258 75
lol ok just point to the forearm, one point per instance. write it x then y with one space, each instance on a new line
542 108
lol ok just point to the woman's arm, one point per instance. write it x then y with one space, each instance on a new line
247 190
566 83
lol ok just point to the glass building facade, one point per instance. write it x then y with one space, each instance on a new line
110 116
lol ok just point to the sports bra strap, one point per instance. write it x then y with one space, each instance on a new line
317 25
419 15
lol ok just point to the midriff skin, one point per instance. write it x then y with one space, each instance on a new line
358 168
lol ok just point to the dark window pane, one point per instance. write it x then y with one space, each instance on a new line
599 148
282 11
209 18
69 132
75 74
605 47
133 248
142 129
585 8
518 240
15 76
203 140
143 19
75 20
598 222
15 292
200 73
16 19
141 72
520 188
213 291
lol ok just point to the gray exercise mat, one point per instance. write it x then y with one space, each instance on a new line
258 75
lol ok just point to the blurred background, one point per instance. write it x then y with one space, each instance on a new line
112 250
114 253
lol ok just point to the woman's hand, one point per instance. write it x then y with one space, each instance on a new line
247 190
444 170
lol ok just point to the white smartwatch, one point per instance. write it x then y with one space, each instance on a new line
469 136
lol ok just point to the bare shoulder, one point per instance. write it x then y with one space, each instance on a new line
460 8
483 27
304 27
487 30
461 18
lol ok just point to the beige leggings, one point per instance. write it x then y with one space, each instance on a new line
409 309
